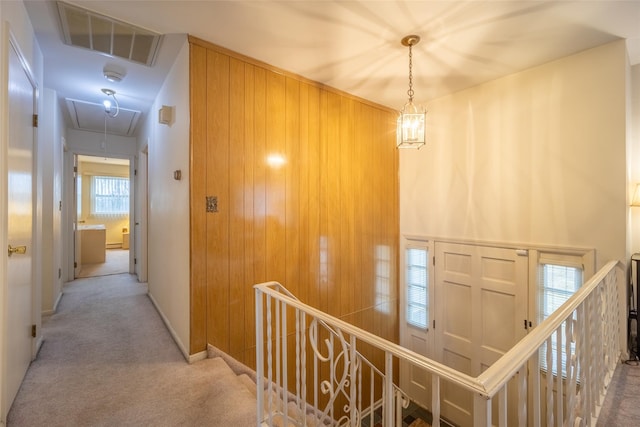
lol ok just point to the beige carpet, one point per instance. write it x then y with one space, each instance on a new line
621 406
116 262
108 360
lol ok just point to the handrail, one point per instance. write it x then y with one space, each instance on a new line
488 383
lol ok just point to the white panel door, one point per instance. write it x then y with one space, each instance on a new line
19 304
480 306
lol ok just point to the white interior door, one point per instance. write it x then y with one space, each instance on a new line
416 332
20 317
480 306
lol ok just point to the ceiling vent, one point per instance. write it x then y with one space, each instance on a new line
90 30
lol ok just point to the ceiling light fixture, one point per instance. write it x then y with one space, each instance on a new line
412 118
107 103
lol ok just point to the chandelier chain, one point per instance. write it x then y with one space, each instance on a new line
410 91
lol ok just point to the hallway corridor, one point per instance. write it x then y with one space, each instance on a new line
108 359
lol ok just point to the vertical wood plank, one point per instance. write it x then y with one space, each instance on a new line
368 193
347 139
304 239
249 200
292 185
218 186
323 199
236 192
276 178
197 178
260 177
334 208
313 193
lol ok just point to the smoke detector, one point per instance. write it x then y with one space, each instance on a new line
113 76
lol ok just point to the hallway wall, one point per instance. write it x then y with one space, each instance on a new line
52 129
633 164
168 200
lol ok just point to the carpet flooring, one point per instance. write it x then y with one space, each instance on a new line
108 360
621 406
116 262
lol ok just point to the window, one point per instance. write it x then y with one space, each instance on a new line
110 195
417 286
557 283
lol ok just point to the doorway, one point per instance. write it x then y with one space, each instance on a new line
463 306
103 216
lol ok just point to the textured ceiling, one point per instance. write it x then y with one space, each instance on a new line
350 45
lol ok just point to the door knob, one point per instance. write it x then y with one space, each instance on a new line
20 250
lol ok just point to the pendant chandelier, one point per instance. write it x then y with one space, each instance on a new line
412 118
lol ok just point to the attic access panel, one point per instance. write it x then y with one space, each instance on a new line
91 117
87 29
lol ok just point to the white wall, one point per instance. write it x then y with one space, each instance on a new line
536 157
634 156
51 128
91 143
168 226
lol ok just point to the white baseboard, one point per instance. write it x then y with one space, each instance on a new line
55 304
39 342
55 307
173 333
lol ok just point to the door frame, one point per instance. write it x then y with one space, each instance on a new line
69 203
141 213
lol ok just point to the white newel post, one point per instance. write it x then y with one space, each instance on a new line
259 358
387 409
435 400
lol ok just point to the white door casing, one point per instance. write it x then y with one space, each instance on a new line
141 215
77 248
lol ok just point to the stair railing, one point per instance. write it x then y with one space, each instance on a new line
330 387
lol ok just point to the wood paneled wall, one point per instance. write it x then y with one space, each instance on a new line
324 223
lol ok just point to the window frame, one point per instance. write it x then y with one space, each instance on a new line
583 259
426 247
93 201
